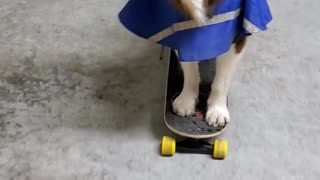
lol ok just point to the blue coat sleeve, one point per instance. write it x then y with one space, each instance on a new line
257 16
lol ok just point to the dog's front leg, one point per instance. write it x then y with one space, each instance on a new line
217 113
185 103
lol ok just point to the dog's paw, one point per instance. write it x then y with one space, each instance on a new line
217 115
184 104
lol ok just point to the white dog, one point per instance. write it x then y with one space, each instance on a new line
184 105
207 32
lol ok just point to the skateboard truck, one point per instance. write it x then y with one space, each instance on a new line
219 149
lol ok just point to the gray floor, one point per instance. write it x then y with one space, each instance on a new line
81 98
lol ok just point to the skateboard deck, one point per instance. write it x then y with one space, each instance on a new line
193 126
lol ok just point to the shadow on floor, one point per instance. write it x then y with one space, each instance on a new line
132 94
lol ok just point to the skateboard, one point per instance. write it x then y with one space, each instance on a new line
193 128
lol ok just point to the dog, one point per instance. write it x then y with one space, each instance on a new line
184 105
182 24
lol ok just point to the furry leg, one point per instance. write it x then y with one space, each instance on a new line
185 103
218 114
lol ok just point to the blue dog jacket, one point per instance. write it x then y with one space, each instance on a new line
160 22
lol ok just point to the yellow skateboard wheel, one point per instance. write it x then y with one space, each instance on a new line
168 146
220 149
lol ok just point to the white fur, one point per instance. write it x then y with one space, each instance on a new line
199 10
184 104
217 114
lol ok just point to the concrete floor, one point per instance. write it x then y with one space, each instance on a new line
81 98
